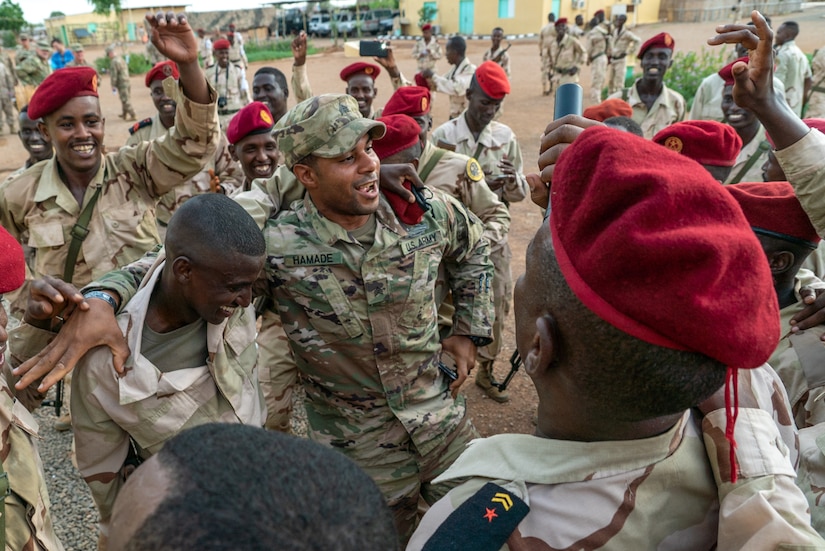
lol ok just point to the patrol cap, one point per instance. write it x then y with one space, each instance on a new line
254 118
358 68
61 86
661 40
161 71
643 213
414 101
773 209
12 264
726 72
402 132
222 44
492 80
614 107
43 45
706 142
326 126
76 47
560 21
23 36
110 48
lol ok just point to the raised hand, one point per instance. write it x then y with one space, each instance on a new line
173 36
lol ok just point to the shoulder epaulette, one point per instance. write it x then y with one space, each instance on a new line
141 124
482 523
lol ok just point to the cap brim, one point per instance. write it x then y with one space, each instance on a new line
356 129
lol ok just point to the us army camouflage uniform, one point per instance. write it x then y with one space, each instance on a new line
625 44
230 84
547 34
565 56
21 53
151 404
432 50
668 108
119 73
792 68
39 211
611 493
6 97
816 103
598 52
33 70
455 84
222 165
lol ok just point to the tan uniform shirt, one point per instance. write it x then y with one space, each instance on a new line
504 61
230 84
598 43
816 103
625 42
792 68
546 35
565 55
455 83
426 53
300 83
668 108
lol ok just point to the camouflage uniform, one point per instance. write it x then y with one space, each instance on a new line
300 83
5 59
455 84
609 495
816 102
432 50
547 35
223 166
564 56
754 173
38 209
230 84
205 50
668 108
21 53
624 44
33 70
707 102
6 97
153 53
792 68
237 55
504 61
598 52
120 80
152 403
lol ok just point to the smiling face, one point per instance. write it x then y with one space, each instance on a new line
76 133
33 140
165 105
222 57
267 90
740 119
496 37
362 88
656 62
258 155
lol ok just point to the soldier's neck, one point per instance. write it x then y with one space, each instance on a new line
749 133
166 311
78 181
168 121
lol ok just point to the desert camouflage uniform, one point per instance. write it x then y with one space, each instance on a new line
455 83
300 83
816 103
668 108
754 173
6 99
609 495
504 62
624 44
237 55
792 68
223 166
433 51
598 52
707 102
151 404
119 73
564 56
205 50
33 70
230 84
38 209
546 35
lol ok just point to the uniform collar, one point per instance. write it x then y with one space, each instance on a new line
330 232
52 186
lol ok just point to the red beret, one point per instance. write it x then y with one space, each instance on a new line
254 118
661 40
369 69
560 21
492 79
706 142
161 71
426 27
421 81
608 108
653 245
598 13
402 132
222 44
61 86
12 263
819 124
726 72
773 209
414 101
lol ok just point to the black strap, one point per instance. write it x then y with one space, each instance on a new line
763 147
478 151
79 233
430 164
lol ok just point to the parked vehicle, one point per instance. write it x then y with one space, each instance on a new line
292 22
319 24
385 24
345 22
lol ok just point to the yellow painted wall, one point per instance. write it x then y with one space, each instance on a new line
106 24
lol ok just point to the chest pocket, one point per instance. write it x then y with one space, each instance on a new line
326 305
49 234
420 309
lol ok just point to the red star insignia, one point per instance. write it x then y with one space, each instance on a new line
491 514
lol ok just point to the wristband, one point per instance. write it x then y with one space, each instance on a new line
102 296
479 341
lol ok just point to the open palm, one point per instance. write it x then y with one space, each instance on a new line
173 36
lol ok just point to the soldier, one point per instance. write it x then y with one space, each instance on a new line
598 52
476 134
546 35
426 50
237 55
23 48
205 49
455 82
222 173
712 144
577 30
230 82
655 106
33 141
7 99
567 56
79 57
61 56
623 43
300 81
792 66
251 143
360 78
6 60
35 67
119 73
496 53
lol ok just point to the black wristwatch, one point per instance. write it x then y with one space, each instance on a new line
479 341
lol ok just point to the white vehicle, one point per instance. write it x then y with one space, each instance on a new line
345 22
319 24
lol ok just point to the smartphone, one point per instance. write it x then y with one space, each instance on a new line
372 48
568 100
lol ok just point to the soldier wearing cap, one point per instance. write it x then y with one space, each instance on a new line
494 144
222 173
456 81
546 35
623 43
237 55
426 50
712 144
566 55
655 106
205 49
607 109
599 48
79 57
230 82
630 400
360 78
23 48
35 67
251 144
792 66
119 75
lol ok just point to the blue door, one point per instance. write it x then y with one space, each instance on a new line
465 16
556 8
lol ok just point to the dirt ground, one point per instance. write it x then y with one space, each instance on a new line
526 111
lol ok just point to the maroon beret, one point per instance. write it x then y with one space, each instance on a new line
409 100
598 13
653 245
12 263
773 209
161 71
608 108
421 81
426 27
222 44
726 72
254 118
360 67
661 40
402 132
819 124
706 142
560 21
61 86
492 79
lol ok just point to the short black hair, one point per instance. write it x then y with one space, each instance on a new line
625 123
242 487
458 44
498 29
55 39
279 77
793 26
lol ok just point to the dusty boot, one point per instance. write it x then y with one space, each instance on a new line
485 368
63 423
132 116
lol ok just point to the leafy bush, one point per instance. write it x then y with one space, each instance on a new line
139 64
690 68
9 40
278 49
102 64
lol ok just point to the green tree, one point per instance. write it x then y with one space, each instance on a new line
11 16
103 7
426 14
57 14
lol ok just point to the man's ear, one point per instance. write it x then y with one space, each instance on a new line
781 261
182 268
45 131
542 348
306 175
